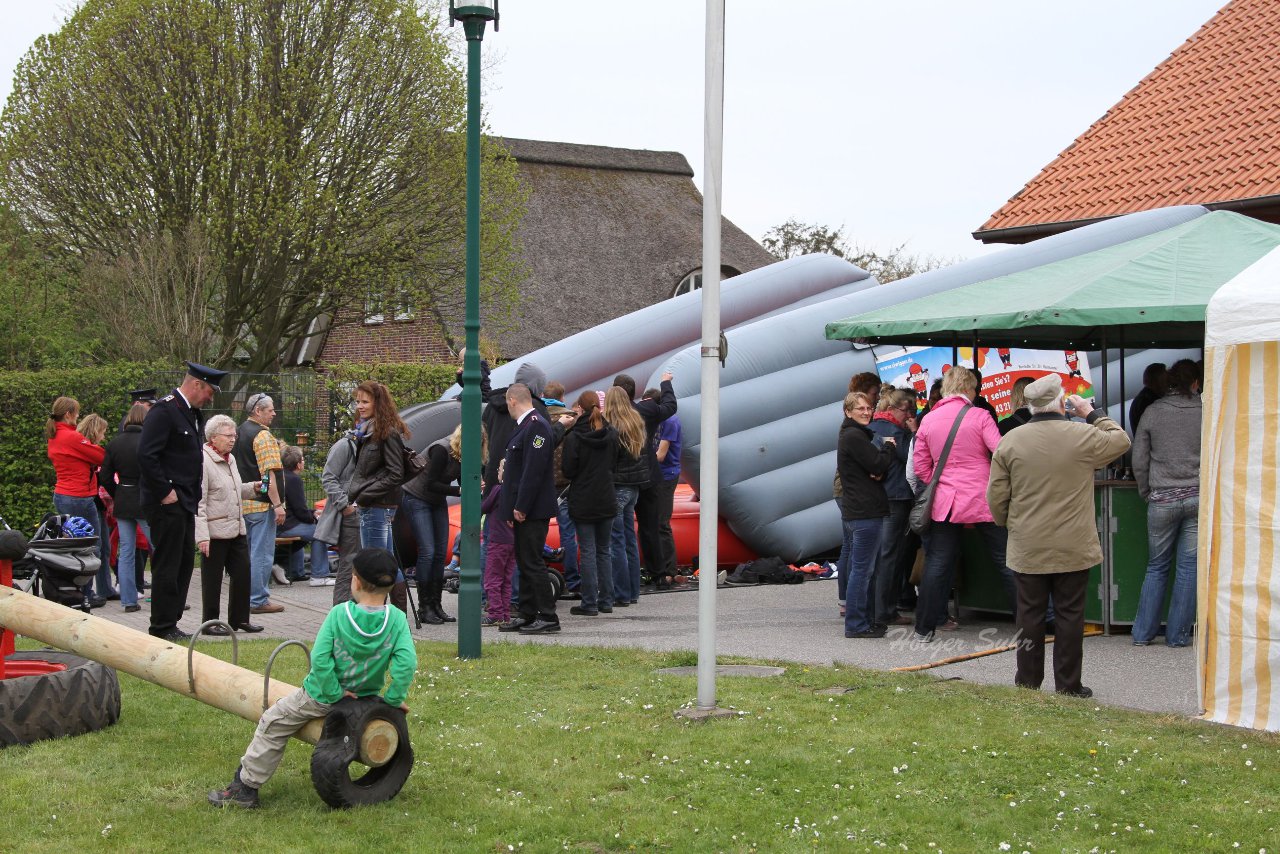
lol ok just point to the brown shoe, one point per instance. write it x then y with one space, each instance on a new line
269 608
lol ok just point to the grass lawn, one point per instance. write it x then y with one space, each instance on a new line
549 748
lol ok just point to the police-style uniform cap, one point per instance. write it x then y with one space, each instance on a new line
142 395
375 567
1044 391
212 376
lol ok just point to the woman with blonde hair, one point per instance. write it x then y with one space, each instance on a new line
93 427
75 462
863 508
960 498
426 501
631 472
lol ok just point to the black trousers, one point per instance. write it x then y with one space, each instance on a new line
648 523
173 559
231 556
665 493
1068 592
536 601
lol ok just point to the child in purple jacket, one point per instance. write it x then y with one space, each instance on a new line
500 559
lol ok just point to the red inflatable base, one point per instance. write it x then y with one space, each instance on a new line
731 551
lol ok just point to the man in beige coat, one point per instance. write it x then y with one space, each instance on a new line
1041 489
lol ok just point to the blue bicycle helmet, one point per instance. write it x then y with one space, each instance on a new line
78 526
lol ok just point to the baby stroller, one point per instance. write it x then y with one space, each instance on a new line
62 557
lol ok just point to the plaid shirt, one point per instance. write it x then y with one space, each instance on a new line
267 450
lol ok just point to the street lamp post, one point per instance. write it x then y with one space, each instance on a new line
474 15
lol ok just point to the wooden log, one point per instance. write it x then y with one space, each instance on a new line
217 683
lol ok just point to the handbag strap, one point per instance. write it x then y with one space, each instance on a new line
946 449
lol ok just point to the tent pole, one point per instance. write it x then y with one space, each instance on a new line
1107 557
1122 385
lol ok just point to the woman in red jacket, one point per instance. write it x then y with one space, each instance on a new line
75 462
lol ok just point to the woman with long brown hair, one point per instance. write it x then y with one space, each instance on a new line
629 475
75 462
375 484
590 455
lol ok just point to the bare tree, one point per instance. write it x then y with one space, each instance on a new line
158 301
794 238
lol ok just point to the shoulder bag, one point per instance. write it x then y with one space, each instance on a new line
922 510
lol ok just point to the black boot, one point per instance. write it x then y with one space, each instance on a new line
437 607
426 613
400 596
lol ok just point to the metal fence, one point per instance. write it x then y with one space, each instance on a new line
301 418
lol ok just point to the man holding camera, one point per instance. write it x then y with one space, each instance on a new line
1041 489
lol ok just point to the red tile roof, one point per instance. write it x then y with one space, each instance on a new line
1203 127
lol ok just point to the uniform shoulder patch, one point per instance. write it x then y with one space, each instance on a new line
539 441
166 398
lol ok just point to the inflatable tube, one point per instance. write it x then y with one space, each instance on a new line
430 422
637 343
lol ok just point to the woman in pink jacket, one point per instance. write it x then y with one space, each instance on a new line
960 498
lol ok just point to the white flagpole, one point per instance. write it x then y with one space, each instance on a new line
709 456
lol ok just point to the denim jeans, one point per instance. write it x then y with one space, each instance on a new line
594 540
375 528
887 584
626 554
942 556
86 508
862 540
430 524
842 562
568 542
261 529
126 558
1172 526
319 552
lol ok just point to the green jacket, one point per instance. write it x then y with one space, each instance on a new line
354 650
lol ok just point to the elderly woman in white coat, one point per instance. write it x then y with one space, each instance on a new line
220 531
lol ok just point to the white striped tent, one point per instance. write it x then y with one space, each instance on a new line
1238 641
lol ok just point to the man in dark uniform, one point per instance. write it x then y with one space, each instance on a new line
528 504
138 395
171 468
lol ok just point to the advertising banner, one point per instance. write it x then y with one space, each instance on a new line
915 368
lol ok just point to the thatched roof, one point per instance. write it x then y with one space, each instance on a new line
607 231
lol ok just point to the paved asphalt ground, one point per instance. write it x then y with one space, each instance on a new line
797 623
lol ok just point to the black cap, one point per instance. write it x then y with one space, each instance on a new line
375 567
142 395
212 376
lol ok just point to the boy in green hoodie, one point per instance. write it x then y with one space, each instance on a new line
358 643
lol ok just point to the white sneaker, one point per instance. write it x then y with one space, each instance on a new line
327 581
277 574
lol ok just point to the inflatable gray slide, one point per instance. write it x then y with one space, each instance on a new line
782 387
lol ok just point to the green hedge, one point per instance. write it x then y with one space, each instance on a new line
26 398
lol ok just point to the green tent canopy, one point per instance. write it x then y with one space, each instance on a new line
1148 292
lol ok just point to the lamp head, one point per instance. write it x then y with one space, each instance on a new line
486 9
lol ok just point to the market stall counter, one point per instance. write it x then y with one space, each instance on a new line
1114 585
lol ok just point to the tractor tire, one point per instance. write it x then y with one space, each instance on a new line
557 583
83 698
339 748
